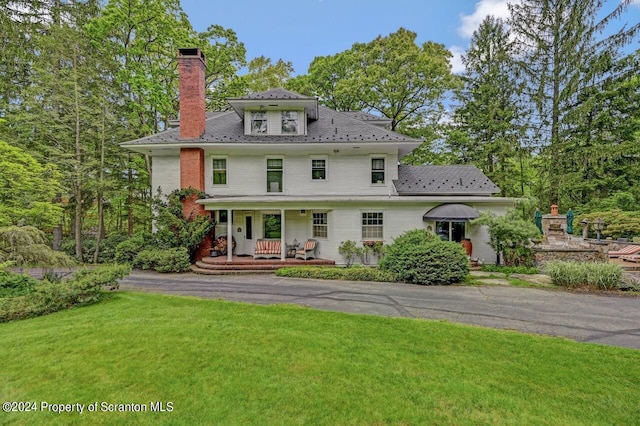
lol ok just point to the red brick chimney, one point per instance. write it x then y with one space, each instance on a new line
192 67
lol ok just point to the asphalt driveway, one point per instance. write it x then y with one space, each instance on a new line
609 320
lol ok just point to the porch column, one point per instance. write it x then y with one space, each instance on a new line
283 244
229 235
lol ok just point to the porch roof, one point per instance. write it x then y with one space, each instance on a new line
326 201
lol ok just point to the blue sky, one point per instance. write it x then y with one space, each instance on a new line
299 30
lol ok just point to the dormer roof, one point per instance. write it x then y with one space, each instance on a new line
279 99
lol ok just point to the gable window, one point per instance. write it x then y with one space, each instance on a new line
377 170
289 122
274 174
258 123
219 171
320 225
318 169
372 226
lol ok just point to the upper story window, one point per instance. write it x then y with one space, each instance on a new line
289 122
274 174
377 170
219 171
318 169
258 123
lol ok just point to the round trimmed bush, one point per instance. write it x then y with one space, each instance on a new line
419 257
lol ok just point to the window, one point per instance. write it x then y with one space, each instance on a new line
318 169
377 170
258 123
219 171
223 216
272 226
320 225
372 226
451 231
274 174
289 123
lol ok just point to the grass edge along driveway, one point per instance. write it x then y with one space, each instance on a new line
227 363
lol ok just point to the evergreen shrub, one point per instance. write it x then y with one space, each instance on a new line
163 260
355 273
420 258
83 288
12 285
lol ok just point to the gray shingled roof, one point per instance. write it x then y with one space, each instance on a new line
441 180
331 127
273 94
369 118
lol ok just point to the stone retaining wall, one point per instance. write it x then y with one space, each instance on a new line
570 255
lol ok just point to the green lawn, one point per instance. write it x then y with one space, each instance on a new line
227 363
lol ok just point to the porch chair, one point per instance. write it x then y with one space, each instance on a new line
308 251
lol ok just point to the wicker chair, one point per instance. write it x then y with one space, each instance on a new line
308 251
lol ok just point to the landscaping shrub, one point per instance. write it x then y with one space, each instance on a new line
127 250
420 258
107 253
163 260
600 275
355 273
619 223
349 251
13 285
83 288
26 245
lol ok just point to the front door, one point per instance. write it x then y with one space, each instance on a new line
247 236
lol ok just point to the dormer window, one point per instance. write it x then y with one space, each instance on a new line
289 122
258 123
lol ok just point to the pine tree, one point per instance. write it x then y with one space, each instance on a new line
486 128
559 42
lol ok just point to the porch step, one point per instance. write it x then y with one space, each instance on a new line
246 264
207 271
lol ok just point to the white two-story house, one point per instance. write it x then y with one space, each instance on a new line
279 166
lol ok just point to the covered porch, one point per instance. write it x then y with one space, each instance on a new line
284 232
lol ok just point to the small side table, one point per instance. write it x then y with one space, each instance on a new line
291 250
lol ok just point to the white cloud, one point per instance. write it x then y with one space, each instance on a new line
456 62
497 8
636 3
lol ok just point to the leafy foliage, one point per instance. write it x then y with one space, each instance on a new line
13 285
618 223
565 50
391 75
349 251
355 273
163 260
510 236
27 190
599 275
85 287
488 128
421 258
26 245
176 230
